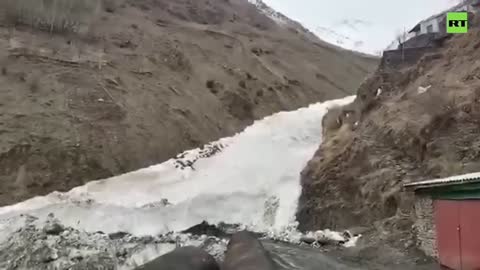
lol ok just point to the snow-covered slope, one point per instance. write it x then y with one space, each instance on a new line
348 34
351 34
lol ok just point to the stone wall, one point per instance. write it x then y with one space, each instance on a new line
422 41
395 59
425 226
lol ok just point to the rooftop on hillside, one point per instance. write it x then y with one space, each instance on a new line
448 181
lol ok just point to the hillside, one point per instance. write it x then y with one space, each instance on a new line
424 124
90 92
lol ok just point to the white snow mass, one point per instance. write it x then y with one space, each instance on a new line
252 178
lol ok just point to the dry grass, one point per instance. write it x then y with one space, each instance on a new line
444 166
339 116
337 143
51 15
435 101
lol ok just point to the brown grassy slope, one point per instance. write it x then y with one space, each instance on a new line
402 135
150 79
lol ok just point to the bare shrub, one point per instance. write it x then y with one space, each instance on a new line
4 67
34 83
22 76
111 5
50 15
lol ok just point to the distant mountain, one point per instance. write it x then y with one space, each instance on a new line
281 19
350 34
347 34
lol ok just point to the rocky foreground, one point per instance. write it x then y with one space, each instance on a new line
53 246
50 245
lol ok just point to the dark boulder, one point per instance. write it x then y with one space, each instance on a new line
184 258
246 252
207 229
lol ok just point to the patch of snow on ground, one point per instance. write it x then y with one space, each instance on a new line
352 35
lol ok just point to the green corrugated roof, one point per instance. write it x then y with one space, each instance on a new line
448 181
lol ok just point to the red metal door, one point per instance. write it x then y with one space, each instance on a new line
470 234
447 223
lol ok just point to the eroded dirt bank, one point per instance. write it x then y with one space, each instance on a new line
423 124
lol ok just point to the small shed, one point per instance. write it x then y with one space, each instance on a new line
447 221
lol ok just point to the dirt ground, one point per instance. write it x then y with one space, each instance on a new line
383 248
423 125
153 78
372 252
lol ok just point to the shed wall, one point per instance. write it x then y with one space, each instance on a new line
447 214
424 226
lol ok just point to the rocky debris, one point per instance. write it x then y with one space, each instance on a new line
230 229
260 51
51 246
117 235
32 248
205 228
308 239
214 86
159 204
53 229
326 238
271 206
215 247
53 226
187 159
182 164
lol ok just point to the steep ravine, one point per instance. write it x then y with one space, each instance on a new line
153 79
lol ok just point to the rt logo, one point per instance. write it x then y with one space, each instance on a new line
457 22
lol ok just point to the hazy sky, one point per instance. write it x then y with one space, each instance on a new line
386 16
